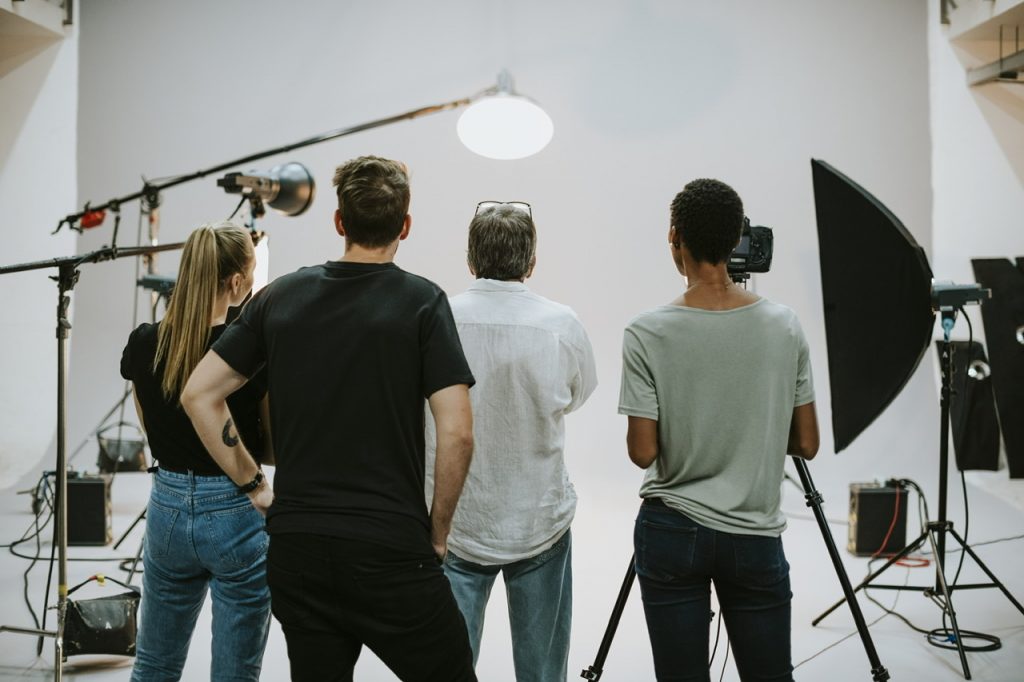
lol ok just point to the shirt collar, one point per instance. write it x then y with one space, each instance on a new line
497 285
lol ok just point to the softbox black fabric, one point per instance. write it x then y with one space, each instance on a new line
876 289
972 410
1002 315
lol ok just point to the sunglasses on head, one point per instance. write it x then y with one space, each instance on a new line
518 205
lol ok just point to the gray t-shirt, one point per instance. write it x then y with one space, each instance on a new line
722 386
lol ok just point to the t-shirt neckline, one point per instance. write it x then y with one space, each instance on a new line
742 308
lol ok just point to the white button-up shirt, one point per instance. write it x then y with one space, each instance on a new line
533 364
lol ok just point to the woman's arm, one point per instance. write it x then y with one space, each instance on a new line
642 441
803 432
138 408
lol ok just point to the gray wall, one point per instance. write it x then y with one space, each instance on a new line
38 185
645 96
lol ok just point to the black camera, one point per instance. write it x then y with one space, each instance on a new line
754 253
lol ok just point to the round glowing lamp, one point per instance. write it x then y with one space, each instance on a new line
504 125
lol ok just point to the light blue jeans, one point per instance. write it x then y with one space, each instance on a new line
201 533
539 607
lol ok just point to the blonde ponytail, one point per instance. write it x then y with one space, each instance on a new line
212 254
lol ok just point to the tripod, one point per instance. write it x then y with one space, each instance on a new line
934 532
67 278
814 500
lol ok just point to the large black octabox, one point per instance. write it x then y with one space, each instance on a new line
876 289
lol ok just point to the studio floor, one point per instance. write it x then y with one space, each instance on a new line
831 651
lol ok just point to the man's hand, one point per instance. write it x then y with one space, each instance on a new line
440 548
262 498
454 420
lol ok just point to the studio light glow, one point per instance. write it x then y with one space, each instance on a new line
505 126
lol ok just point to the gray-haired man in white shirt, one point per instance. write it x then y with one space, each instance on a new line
533 364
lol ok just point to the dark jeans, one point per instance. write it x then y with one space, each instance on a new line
677 559
332 596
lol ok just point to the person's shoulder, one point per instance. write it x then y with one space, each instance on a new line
649 317
418 284
779 316
303 274
290 283
777 311
145 333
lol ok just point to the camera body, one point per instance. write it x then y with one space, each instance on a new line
754 253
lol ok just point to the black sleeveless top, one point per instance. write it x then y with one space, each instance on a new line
173 441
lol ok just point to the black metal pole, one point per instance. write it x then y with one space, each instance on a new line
67 278
814 500
72 219
91 257
946 369
943 525
595 671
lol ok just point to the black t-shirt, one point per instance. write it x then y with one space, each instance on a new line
351 351
172 439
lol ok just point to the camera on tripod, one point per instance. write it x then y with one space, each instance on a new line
754 253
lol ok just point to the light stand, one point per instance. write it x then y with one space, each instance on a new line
595 670
935 532
67 278
814 501
151 191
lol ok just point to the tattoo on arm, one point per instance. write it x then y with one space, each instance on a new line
225 435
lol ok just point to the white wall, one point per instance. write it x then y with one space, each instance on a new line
977 169
38 184
645 97
978 157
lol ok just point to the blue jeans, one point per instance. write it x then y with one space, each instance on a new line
202 533
677 559
539 593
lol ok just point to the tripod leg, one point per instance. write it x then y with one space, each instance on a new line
125 534
940 578
866 582
814 500
990 574
135 563
595 671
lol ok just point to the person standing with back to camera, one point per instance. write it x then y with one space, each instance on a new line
352 348
534 364
717 388
201 531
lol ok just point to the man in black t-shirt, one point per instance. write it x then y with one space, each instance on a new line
351 349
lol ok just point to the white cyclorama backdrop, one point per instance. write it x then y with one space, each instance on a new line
645 96
38 183
977 171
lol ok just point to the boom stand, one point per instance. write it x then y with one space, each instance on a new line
935 532
814 500
67 277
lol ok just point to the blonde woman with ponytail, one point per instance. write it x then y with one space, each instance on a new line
201 530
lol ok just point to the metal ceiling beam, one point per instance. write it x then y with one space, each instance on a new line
1004 69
